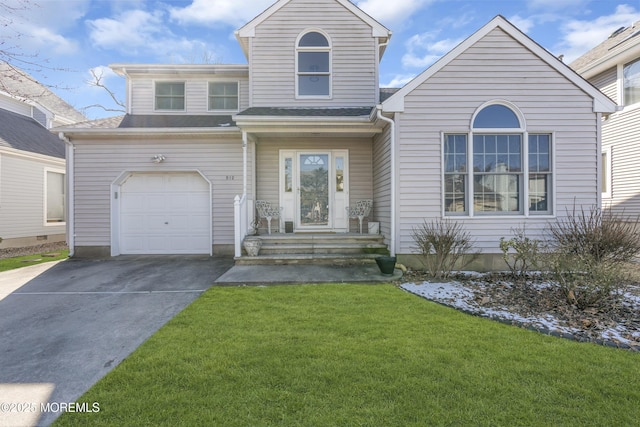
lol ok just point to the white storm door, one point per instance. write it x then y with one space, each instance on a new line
165 213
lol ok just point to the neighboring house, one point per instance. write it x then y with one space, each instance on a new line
32 161
614 67
497 134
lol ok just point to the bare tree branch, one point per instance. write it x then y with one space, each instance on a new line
98 81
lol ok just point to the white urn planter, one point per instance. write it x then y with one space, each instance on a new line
252 245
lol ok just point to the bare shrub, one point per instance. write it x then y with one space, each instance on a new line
520 253
587 251
443 244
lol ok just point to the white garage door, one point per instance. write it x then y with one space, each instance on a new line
166 213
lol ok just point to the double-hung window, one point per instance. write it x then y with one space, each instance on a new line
313 65
170 96
497 168
223 96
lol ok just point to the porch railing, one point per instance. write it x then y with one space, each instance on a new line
241 221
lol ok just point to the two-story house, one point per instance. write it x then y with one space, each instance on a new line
32 160
498 133
614 67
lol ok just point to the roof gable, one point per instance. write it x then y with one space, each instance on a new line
601 103
248 30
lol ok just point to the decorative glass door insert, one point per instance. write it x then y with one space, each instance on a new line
314 190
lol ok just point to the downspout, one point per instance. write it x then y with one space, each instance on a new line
392 159
70 155
599 164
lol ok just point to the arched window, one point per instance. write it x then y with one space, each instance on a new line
499 170
313 69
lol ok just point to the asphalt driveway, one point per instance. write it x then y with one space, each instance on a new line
74 321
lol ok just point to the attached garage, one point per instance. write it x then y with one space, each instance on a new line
164 213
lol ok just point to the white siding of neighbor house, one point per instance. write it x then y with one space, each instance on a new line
99 163
621 132
382 181
22 196
360 166
607 82
15 106
273 51
496 67
196 93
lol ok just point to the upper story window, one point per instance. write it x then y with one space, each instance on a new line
502 171
223 96
313 69
631 79
170 96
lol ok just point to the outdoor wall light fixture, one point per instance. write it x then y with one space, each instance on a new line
158 158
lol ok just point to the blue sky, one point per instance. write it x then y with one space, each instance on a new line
72 37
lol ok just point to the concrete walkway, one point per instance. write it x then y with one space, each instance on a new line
294 273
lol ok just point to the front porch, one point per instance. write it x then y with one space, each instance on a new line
316 248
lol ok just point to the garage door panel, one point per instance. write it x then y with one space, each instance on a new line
165 214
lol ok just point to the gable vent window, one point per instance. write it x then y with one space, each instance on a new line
313 65
170 96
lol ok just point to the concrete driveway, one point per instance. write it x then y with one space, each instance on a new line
64 325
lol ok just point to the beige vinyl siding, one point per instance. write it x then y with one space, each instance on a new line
497 67
360 164
382 181
22 212
607 82
196 93
273 51
622 133
99 163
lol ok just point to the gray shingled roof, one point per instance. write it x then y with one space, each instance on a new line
24 133
21 85
618 41
307 112
386 92
151 121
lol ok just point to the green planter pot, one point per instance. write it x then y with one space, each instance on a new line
386 264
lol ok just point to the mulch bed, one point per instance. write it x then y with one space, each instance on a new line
33 250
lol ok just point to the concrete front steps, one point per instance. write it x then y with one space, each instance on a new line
329 248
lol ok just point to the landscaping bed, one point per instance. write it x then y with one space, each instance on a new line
537 305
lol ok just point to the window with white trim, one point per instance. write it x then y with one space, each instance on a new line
170 96
497 173
313 66
631 82
223 96
54 197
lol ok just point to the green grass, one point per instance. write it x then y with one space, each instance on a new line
24 261
357 355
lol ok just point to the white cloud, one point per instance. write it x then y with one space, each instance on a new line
390 12
400 80
555 5
227 12
131 29
424 49
581 36
523 24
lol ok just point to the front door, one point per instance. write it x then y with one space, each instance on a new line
314 190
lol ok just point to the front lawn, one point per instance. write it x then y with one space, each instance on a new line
374 355
24 261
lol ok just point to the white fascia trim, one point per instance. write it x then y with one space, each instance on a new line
602 103
151 131
611 60
31 156
178 69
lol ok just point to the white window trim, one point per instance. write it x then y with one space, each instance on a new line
45 197
237 82
608 194
524 190
328 49
620 91
155 82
